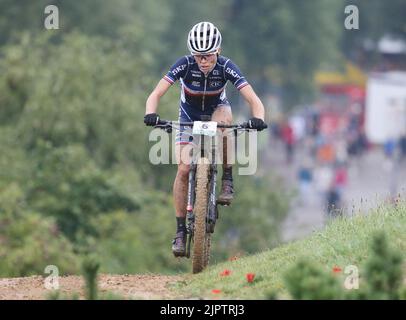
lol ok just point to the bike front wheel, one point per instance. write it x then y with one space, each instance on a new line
201 238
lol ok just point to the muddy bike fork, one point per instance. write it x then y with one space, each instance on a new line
190 217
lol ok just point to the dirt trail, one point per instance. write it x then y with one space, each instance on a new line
127 286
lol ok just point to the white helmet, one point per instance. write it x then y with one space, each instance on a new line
204 38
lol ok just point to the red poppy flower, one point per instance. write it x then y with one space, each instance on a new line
336 269
250 277
225 272
215 291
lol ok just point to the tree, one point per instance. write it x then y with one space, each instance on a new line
282 43
28 241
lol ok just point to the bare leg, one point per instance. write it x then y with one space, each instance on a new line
223 115
180 187
180 184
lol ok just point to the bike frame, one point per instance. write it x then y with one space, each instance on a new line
212 211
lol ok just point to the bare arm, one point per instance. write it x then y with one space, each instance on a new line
257 108
155 96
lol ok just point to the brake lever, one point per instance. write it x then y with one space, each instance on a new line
244 125
166 127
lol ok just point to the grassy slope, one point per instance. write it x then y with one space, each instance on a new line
343 242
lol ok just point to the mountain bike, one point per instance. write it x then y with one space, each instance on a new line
202 205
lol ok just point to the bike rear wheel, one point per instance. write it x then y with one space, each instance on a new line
201 238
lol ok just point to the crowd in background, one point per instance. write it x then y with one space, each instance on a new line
323 158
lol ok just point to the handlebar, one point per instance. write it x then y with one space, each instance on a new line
167 124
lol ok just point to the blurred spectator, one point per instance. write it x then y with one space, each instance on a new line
310 147
389 148
275 129
274 134
305 178
289 140
333 202
353 143
314 123
402 143
364 140
341 178
298 125
341 151
323 176
326 153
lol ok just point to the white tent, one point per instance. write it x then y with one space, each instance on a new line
385 114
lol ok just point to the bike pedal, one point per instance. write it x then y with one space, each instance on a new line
224 204
179 254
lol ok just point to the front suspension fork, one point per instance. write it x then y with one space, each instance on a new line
212 208
190 217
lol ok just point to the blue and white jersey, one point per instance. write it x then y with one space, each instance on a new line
201 93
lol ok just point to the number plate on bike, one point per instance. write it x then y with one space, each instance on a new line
207 128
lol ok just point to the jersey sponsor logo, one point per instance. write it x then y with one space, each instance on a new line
216 72
178 69
233 73
214 84
196 83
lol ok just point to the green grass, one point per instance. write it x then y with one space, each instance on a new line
345 241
